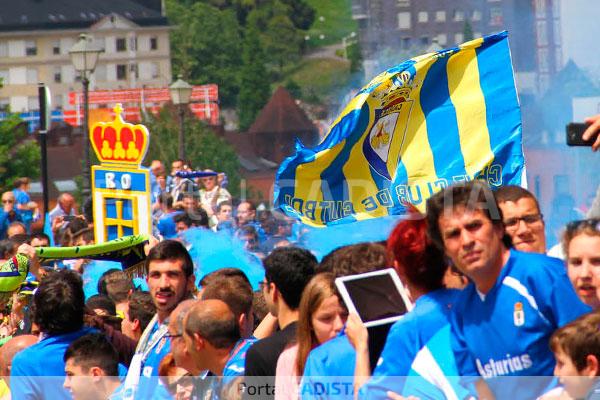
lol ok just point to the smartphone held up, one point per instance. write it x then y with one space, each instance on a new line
575 132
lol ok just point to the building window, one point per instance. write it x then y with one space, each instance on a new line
423 16
154 70
424 40
496 16
540 8
4 104
58 101
458 15
403 3
153 43
121 44
133 68
57 75
56 47
3 49
442 39
133 44
121 72
541 33
459 38
32 76
30 48
440 16
406 43
556 33
404 20
543 60
476 15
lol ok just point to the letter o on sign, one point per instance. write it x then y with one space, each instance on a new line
126 181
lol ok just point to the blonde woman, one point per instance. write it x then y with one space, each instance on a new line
321 318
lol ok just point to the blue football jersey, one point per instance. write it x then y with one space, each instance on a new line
417 359
504 334
234 368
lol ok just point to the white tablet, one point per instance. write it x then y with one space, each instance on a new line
378 297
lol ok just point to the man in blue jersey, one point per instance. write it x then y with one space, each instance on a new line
503 319
212 338
171 280
58 307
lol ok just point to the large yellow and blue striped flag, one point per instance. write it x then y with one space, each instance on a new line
416 128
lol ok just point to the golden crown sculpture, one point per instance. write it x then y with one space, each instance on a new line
119 142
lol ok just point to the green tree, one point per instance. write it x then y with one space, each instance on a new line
206 46
19 152
301 13
294 89
467 31
355 57
280 39
204 149
254 81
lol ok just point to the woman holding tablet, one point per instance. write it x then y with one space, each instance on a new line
321 318
417 359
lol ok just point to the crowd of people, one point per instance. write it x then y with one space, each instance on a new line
492 316
180 203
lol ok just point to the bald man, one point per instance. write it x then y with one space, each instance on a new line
212 338
8 351
182 357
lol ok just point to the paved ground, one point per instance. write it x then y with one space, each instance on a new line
326 52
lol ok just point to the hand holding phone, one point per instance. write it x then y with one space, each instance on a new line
593 131
575 132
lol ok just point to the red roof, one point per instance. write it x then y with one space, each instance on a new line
282 115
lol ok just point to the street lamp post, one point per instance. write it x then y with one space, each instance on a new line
181 91
84 56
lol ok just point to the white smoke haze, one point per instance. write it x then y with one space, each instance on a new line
557 71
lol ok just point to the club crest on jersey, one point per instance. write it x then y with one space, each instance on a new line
519 314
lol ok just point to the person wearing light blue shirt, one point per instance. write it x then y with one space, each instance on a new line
38 371
329 371
503 319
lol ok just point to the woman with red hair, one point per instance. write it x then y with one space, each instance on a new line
417 358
